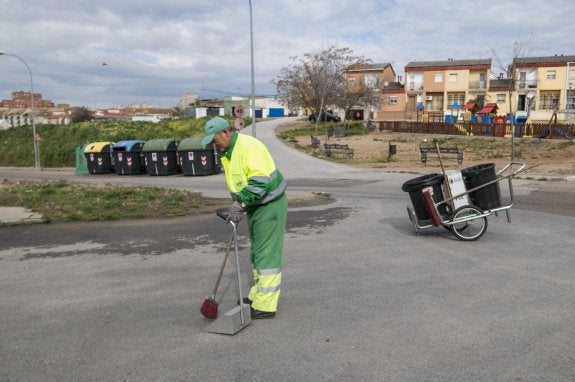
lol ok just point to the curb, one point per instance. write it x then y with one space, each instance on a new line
18 215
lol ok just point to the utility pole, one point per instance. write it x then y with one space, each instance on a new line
253 83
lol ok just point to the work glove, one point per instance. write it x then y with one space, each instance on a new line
235 212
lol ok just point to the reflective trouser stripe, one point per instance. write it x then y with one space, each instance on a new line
266 291
267 228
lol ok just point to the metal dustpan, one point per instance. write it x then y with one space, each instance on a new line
231 321
239 316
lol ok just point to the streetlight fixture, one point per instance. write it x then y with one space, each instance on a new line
36 143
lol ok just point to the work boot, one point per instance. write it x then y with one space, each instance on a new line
259 314
246 300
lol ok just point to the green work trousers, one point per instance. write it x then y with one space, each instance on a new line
267 229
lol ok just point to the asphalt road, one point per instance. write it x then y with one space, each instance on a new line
363 297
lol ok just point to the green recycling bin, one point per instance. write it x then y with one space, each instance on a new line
160 156
197 159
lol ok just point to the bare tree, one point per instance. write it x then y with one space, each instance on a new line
520 49
317 79
81 114
359 93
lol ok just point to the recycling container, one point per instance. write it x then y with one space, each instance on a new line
99 157
128 157
487 197
160 156
197 159
81 160
414 188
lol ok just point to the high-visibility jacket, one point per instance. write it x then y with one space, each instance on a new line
251 174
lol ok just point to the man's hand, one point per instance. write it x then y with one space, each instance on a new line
235 212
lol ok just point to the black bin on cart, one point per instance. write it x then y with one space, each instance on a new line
488 197
160 156
99 157
128 157
414 187
197 159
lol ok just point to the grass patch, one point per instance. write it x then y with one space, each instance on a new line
63 201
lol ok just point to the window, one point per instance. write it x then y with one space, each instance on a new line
393 100
522 78
548 100
438 78
501 98
372 80
453 77
455 97
551 75
570 100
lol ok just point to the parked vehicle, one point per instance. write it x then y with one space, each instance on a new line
324 117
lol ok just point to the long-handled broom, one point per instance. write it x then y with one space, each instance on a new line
210 306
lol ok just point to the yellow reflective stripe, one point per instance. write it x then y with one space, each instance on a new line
269 272
261 179
256 190
268 289
274 194
269 283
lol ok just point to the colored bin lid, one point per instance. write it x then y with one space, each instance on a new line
98 147
129 145
192 144
160 145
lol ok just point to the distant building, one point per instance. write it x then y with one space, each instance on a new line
188 99
23 100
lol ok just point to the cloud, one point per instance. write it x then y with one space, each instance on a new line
157 51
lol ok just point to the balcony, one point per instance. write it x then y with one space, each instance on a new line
477 85
527 84
415 86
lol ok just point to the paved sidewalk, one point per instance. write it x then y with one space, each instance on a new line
18 215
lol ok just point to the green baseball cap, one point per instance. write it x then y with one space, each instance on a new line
212 127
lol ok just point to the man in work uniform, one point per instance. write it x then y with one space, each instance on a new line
258 189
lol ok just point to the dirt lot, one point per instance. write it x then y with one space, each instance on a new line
557 157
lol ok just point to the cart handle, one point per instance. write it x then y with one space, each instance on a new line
521 168
499 178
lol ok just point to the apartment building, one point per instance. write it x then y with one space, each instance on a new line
540 88
380 78
438 88
544 88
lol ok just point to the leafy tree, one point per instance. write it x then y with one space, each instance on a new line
317 79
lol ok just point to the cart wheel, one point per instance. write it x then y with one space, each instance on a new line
472 226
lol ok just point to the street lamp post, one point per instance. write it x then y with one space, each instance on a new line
253 84
36 143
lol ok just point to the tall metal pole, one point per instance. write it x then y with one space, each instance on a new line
36 146
253 83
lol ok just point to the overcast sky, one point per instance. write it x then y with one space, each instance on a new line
100 53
